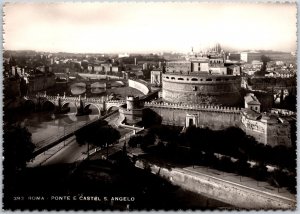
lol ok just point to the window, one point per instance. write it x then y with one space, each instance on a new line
167 77
194 79
218 79
209 79
180 78
172 78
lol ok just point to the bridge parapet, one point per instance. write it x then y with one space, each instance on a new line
225 109
116 101
74 99
93 100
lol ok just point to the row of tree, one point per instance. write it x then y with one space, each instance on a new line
233 142
198 146
236 143
259 172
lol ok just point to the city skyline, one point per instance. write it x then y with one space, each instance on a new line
140 27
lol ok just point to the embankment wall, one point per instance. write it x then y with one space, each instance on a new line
226 191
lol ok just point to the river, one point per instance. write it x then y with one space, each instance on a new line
46 127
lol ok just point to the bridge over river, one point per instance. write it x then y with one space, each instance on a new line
102 105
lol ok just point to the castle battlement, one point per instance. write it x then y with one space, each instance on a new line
212 108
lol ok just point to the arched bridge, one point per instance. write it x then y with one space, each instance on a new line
80 103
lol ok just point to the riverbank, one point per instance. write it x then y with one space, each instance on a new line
215 185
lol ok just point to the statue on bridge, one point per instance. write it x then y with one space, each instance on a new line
81 110
59 109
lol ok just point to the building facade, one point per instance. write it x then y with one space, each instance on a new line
250 56
156 76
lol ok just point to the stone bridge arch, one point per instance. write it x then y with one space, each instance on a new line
111 108
66 104
29 104
113 104
87 107
48 105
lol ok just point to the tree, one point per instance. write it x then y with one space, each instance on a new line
134 141
198 139
18 147
259 171
262 71
99 134
106 135
147 140
242 166
226 164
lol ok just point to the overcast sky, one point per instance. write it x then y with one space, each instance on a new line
148 27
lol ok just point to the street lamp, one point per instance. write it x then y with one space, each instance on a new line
64 135
106 151
88 150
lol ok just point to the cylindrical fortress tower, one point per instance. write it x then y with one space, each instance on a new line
201 89
132 112
132 102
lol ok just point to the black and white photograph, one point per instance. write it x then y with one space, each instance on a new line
149 106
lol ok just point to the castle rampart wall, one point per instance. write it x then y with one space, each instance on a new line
255 128
214 117
279 134
267 132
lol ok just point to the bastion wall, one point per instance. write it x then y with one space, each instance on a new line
218 118
279 135
213 117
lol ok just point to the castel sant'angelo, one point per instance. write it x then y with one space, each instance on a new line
204 90
201 79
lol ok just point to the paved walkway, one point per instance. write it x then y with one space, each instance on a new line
241 180
42 158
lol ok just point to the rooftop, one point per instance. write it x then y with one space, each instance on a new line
251 99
